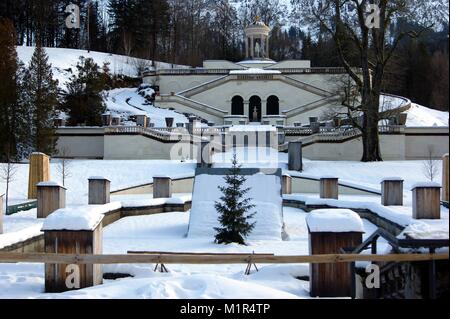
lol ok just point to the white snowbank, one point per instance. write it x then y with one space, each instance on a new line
78 217
427 229
49 184
419 116
334 221
265 194
392 179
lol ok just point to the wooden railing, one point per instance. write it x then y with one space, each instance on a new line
211 259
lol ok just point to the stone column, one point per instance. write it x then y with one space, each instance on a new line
392 192
99 191
295 156
252 47
162 187
247 109
246 47
50 197
39 172
267 48
445 179
329 188
427 201
204 154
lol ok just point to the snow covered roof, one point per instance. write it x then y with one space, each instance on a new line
78 218
93 178
254 71
334 221
426 185
49 184
392 179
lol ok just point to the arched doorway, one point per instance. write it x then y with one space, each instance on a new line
273 105
255 109
237 105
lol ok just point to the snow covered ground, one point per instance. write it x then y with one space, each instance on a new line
167 232
127 102
419 116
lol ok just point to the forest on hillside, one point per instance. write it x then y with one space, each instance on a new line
190 31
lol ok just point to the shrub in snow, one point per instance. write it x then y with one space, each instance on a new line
233 209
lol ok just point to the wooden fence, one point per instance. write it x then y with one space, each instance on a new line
211 259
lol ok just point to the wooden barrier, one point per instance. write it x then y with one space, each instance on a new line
445 178
39 171
392 192
204 154
295 156
50 197
82 259
329 188
99 191
426 201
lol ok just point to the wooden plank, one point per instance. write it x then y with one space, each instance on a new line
211 260
191 254
445 178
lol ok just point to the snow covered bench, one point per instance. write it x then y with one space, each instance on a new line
265 191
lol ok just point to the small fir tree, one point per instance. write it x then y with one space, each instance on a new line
233 208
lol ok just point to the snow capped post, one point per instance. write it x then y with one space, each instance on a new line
331 230
162 187
287 184
1 214
392 191
73 231
99 191
39 172
445 179
329 187
295 156
426 201
51 196
106 119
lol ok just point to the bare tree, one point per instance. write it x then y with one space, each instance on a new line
141 65
64 165
430 165
350 22
7 173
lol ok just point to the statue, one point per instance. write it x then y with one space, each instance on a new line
255 114
257 50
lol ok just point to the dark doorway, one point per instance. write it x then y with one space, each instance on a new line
237 105
255 109
273 105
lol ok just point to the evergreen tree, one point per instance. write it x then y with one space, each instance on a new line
42 97
84 99
12 110
233 209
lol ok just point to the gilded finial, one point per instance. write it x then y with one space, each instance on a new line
257 18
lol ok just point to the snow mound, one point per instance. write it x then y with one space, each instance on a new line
425 185
265 192
334 221
429 229
419 116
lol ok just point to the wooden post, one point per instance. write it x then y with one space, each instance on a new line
50 197
427 201
329 187
162 187
99 191
61 238
39 172
1 214
392 192
295 156
445 179
287 184
106 119
142 120
333 280
204 154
